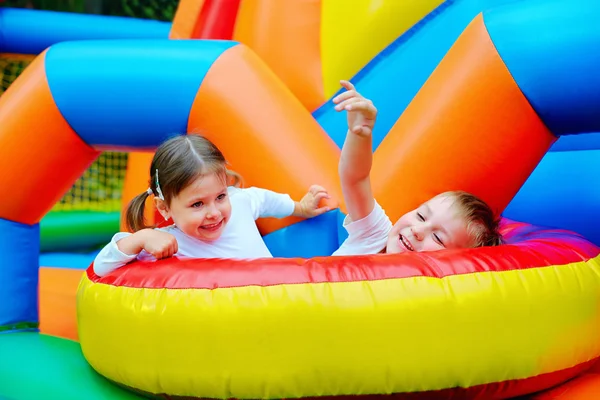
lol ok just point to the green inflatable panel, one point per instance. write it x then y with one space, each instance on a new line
35 366
77 230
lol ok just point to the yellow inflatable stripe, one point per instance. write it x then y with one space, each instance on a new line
352 34
398 335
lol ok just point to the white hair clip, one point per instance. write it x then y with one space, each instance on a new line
149 191
160 195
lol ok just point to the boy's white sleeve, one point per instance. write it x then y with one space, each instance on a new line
265 203
368 235
111 258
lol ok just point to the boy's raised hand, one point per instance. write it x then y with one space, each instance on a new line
361 111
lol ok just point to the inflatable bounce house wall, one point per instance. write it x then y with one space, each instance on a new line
87 215
472 94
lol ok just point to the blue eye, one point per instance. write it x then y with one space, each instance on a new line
197 204
221 196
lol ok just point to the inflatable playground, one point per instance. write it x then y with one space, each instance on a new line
496 97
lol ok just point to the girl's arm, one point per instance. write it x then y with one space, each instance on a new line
125 247
357 153
308 207
266 203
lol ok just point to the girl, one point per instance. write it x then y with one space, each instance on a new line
189 181
449 220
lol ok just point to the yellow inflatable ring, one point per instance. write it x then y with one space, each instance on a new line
496 321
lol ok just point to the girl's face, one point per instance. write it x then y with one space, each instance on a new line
202 209
435 225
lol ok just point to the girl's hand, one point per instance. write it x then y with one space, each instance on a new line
160 244
308 207
361 111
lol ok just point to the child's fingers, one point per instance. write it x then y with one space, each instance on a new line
166 250
347 84
158 254
316 189
345 96
171 247
322 194
317 199
361 105
349 102
344 104
321 210
319 193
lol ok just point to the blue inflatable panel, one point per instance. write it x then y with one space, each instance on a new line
129 93
68 260
563 192
394 77
19 248
587 141
342 232
552 49
309 238
32 31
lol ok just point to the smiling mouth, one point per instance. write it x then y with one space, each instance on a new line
406 243
212 227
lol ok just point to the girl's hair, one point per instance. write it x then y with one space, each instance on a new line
177 163
482 224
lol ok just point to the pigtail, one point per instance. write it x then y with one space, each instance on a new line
234 179
134 215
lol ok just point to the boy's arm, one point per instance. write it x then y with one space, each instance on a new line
354 168
357 154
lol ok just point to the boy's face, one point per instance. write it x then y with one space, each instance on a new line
434 225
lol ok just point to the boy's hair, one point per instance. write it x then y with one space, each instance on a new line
482 224
178 162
